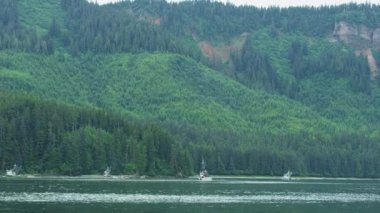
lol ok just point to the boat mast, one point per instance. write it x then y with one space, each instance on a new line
203 165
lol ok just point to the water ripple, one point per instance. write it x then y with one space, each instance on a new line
150 198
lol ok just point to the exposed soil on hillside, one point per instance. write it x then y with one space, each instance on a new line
222 52
216 53
371 61
157 21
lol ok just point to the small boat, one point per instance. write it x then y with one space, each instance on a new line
287 176
13 171
203 174
107 172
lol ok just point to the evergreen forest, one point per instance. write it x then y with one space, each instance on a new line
149 87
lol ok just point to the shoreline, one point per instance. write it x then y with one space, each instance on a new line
172 178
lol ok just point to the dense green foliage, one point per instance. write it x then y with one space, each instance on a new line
108 29
290 99
333 62
168 87
47 137
214 20
254 68
284 133
14 36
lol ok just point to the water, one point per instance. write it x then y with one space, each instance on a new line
97 194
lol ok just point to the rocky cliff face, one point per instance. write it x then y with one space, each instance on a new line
358 36
362 38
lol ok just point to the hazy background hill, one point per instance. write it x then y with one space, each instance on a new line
255 91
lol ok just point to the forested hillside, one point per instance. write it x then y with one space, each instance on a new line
53 138
151 87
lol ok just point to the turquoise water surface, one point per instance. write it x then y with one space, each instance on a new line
97 194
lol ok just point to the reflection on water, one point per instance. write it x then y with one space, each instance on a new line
57 194
150 198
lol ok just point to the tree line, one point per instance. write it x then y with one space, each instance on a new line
51 138
111 29
46 137
333 62
17 37
215 20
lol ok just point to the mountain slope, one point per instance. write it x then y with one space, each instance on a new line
200 107
284 93
326 85
160 86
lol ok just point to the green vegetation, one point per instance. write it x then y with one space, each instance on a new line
40 18
15 36
164 86
144 100
46 137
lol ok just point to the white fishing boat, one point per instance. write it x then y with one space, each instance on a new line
203 174
13 171
287 176
107 172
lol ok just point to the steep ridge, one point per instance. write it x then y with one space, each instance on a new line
362 38
161 86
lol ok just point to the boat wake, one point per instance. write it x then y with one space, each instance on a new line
152 198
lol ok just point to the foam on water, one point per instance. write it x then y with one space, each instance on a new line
150 198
